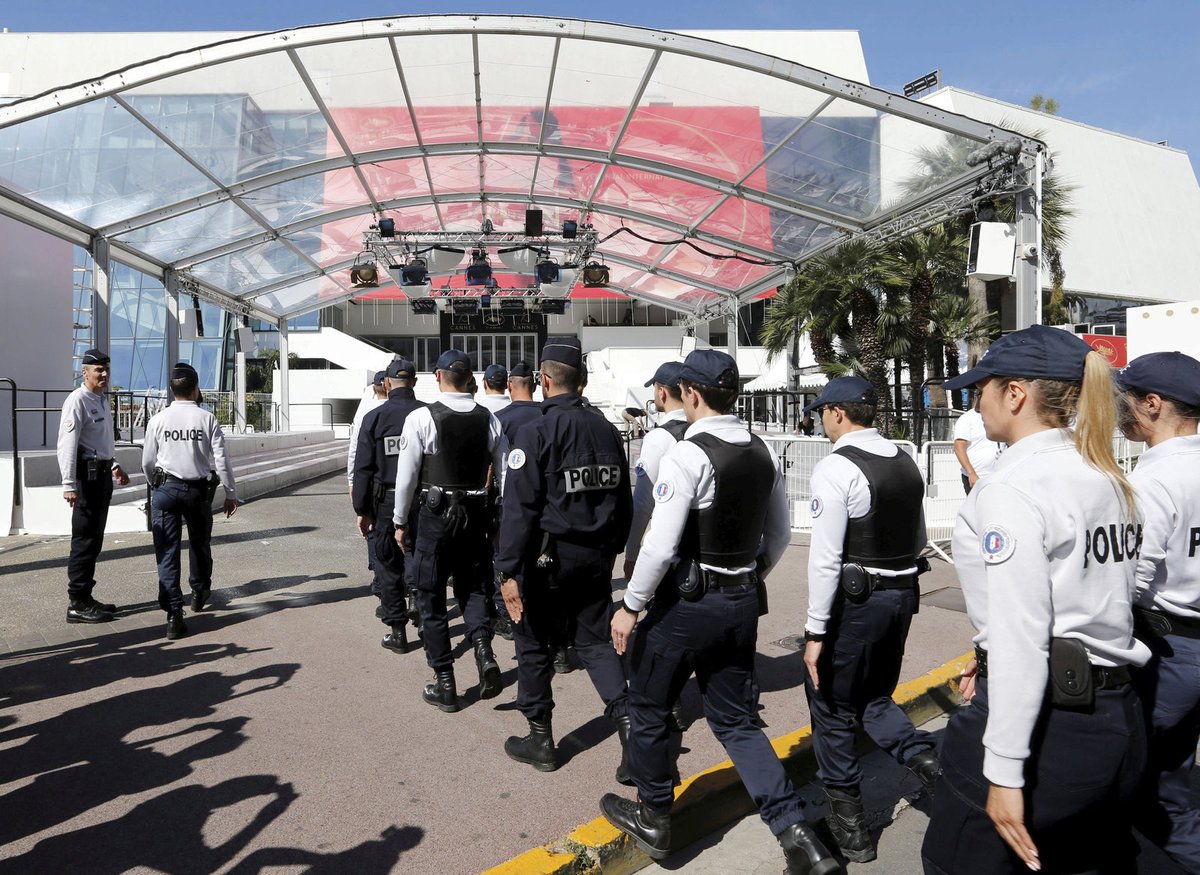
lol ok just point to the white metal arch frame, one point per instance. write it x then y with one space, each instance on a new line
249 299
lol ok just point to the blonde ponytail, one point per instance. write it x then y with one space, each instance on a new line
1093 405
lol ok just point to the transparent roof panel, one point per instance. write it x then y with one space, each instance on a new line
441 121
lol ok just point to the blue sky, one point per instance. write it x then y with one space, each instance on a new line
1127 65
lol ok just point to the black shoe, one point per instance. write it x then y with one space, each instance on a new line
489 670
84 612
848 825
397 639
175 625
623 735
562 661
676 722
442 692
927 767
503 627
536 748
651 832
200 599
804 853
379 612
102 606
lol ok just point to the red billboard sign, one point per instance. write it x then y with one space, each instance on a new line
1114 348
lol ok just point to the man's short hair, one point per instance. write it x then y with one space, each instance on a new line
184 384
721 401
456 379
859 413
525 383
672 389
563 376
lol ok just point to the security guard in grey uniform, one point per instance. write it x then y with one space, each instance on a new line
85 459
445 452
184 459
868 531
720 522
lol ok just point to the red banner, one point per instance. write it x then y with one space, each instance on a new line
1113 347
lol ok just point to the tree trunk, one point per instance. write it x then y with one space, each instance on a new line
937 395
952 370
822 347
920 296
977 292
864 316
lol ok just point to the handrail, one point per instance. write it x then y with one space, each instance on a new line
292 404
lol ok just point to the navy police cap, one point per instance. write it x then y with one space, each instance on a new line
377 380
845 390
1169 374
1037 352
95 357
521 369
710 367
454 360
495 376
565 349
667 374
401 367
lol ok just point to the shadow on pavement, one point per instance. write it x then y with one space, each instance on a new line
372 857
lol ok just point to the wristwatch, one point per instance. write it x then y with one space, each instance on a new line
813 636
626 607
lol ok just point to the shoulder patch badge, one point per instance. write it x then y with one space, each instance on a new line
815 506
516 459
997 545
663 490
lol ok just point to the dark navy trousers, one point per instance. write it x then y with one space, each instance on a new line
716 637
1169 686
859 669
437 556
173 505
389 563
1079 779
576 606
88 519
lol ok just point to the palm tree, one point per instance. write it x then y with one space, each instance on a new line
955 320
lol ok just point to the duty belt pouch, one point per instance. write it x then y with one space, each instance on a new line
1070 674
211 485
378 491
856 583
435 499
93 469
158 478
691 582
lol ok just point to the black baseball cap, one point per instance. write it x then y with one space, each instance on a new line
709 367
377 380
1037 352
454 360
1169 374
667 374
495 376
95 357
565 349
401 367
845 390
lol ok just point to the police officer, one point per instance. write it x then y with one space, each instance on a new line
379 394
720 512
373 491
184 453
1038 770
445 450
868 530
495 379
85 459
520 410
566 516
1162 401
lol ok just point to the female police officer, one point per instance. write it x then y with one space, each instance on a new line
1162 407
1053 742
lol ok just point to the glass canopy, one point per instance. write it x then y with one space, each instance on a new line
252 167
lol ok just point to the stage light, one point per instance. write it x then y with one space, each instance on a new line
442 259
424 306
595 275
415 273
364 275
548 271
570 230
553 307
512 305
387 227
519 259
567 274
465 306
487 227
479 271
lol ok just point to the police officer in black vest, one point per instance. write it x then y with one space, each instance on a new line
373 491
566 517
720 521
868 532
446 449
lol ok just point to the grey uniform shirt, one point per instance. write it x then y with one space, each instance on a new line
686 481
840 493
419 439
186 442
1167 479
654 446
1044 548
86 427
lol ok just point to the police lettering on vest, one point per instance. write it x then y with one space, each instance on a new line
182 434
393 444
588 478
1116 541
1194 542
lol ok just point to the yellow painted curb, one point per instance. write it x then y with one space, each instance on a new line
715 797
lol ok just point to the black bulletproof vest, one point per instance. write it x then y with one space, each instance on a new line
726 534
887 536
676 428
462 459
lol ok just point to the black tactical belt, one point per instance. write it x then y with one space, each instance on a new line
1103 677
1150 623
719 580
171 478
903 581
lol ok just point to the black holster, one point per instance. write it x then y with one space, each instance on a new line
379 491
857 585
213 482
157 478
690 581
1070 674
760 565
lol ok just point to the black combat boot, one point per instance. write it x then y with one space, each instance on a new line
804 853
442 692
650 831
413 612
503 624
536 748
83 612
927 767
103 606
848 824
175 625
623 734
397 639
489 670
